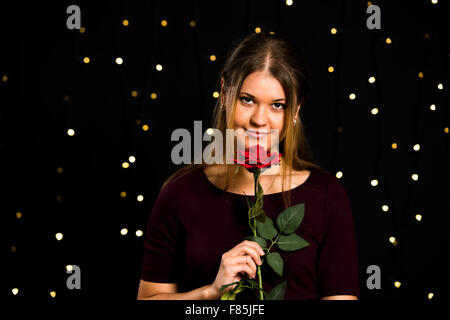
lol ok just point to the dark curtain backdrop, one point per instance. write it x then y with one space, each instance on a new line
52 182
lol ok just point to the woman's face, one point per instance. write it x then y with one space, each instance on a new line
260 111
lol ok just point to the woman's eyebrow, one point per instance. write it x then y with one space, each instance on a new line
253 97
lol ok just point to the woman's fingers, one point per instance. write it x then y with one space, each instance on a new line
250 249
250 252
243 268
253 245
244 260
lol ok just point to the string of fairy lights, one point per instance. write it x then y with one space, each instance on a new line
393 238
143 126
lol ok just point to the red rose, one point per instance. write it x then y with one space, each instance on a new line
257 157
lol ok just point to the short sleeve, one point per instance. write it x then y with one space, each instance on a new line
161 242
338 261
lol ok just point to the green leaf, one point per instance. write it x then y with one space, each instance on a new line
266 229
227 285
229 295
258 240
277 293
259 196
289 220
291 242
252 283
276 262
255 212
257 208
262 217
249 202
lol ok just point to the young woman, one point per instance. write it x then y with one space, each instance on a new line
194 239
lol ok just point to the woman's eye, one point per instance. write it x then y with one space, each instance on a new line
242 99
279 106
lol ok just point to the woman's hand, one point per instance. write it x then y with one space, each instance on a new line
240 260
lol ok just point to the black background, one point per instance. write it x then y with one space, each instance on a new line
49 90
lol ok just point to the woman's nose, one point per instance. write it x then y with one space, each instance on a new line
259 117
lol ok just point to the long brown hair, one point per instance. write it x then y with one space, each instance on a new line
277 56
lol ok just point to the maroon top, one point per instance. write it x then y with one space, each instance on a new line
193 223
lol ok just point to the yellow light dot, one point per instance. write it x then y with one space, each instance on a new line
393 240
369 3
125 22
434 1
427 35
215 94
397 284
420 74
374 111
394 146
257 29
82 30
388 40
352 96
271 32
385 208
192 23
134 93
59 170
339 174
372 79
5 78
125 165
330 69
430 295
440 86
58 198
446 130
86 60
13 249
416 147
333 30
158 67
124 231
139 233
69 268
210 131
119 60
132 159
164 23
59 236
418 217
289 2
15 291
140 198
52 294
153 96
145 127
18 215
415 176
123 194
374 182
71 132
212 57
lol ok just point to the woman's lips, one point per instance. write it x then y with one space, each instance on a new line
256 134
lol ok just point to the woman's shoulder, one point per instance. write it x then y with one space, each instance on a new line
316 178
183 181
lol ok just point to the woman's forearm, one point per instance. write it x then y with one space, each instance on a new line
202 293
